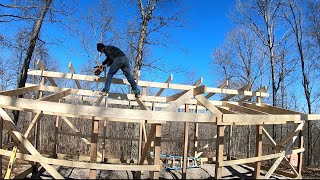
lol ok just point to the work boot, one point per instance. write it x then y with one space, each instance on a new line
137 93
104 92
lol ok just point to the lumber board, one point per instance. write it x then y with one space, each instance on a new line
140 83
237 92
269 109
73 72
206 103
261 158
262 89
241 109
249 119
179 101
168 82
33 122
101 113
82 165
20 138
20 91
221 86
244 88
56 96
273 167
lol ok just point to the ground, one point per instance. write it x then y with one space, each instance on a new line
205 172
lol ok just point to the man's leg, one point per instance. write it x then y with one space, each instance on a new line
113 70
127 72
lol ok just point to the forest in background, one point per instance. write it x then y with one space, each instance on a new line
273 43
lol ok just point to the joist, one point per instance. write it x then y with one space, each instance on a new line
224 84
269 109
168 82
244 88
82 165
100 113
42 68
141 83
241 109
20 138
57 96
263 89
73 72
20 91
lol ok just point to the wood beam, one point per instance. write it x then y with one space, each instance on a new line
244 88
73 72
262 89
101 113
269 109
20 138
141 83
20 91
168 82
241 109
224 84
82 165
57 96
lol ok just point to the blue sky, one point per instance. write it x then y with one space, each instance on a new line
207 27
209 24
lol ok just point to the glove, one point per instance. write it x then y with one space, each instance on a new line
98 69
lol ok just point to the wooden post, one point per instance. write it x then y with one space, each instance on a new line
230 143
257 166
185 147
104 141
196 135
300 155
157 151
94 147
56 130
219 151
1 131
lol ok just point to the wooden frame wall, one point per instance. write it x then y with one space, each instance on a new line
223 113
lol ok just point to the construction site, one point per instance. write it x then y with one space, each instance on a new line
191 105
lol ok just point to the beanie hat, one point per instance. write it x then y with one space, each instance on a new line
100 46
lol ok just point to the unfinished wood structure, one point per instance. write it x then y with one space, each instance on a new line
153 111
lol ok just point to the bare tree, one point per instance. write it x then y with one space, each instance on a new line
23 75
151 23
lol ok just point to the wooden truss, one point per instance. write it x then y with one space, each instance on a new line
155 110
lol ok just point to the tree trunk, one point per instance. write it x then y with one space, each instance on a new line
23 75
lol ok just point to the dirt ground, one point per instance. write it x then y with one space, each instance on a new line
204 172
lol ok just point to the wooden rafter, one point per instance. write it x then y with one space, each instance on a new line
242 109
73 72
17 136
20 91
244 88
224 84
168 82
263 89
269 109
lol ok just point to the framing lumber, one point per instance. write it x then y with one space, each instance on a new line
224 84
56 97
100 113
21 139
269 109
241 109
168 82
263 89
141 83
42 68
82 165
20 91
244 88
34 121
73 72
